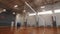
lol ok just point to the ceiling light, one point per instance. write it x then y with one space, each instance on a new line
42 6
57 11
24 11
32 14
46 12
16 6
13 12
4 10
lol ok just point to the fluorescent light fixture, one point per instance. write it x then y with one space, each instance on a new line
32 14
42 6
46 12
41 13
57 11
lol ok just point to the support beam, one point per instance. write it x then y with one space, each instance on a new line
30 7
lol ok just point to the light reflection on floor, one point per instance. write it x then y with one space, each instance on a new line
30 30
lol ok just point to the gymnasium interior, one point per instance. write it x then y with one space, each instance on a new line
29 16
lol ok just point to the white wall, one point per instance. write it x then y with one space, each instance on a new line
58 19
41 21
31 21
45 20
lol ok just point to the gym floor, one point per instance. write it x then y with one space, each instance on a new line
29 30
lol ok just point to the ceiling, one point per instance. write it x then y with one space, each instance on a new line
9 4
